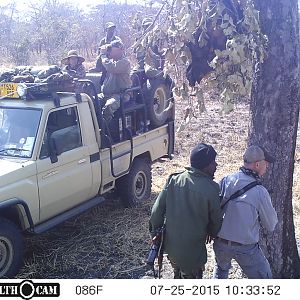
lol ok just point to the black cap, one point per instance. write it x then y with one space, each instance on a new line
202 155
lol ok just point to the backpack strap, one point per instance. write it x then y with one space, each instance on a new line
222 188
241 191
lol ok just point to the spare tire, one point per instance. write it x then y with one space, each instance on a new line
157 97
96 79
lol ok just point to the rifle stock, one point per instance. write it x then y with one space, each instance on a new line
157 251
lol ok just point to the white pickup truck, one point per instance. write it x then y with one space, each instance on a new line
58 159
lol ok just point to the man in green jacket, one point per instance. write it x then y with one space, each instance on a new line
189 206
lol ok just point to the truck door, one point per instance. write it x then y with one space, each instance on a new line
68 181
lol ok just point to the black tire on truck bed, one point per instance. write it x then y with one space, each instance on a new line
157 97
95 78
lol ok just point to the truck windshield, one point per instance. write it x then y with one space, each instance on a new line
18 130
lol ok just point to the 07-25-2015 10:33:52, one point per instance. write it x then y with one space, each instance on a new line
229 290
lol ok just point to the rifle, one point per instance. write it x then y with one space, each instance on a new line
157 251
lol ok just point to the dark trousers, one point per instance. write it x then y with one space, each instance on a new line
179 274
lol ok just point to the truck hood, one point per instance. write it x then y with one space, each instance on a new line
15 170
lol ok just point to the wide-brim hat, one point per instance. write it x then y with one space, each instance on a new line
72 53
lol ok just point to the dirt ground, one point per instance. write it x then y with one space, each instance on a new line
111 241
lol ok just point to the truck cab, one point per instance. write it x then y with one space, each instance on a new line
58 159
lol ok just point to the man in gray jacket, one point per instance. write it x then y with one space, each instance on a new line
243 216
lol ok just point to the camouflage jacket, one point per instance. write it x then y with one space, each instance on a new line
77 72
118 75
105 40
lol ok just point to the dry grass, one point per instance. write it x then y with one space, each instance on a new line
113 242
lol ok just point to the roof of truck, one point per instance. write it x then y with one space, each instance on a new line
36 95
42 102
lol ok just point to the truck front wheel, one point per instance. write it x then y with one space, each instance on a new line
11 249
135 187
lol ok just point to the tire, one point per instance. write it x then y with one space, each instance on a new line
135 187
96 79
11 249
157 96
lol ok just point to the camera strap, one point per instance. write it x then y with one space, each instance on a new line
239 192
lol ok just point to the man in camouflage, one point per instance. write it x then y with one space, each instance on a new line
117 79
110 29
149 57
73 64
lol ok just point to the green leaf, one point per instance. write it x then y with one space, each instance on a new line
182 25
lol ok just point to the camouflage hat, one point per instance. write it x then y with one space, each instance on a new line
72 53
110 25
147 22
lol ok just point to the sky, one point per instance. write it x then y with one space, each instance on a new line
22 4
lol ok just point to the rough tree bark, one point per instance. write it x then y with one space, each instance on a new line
275 111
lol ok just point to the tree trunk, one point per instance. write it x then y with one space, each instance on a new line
275 111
